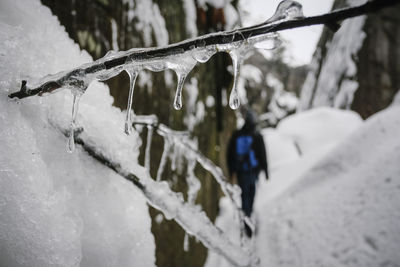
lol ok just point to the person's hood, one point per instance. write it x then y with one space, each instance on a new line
250 121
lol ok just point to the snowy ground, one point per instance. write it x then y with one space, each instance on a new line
336 204
59 208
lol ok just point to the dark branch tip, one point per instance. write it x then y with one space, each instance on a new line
333 26
23 86
21 93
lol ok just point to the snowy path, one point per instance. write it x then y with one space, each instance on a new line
336 205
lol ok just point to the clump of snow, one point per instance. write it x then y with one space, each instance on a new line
323 126
190 17
335 85
114 33
149 21
57 208
195 110
231 17
274 82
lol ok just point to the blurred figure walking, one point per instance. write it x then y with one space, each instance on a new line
246 157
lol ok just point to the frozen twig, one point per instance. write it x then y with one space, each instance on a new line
161 197
102 68
182 138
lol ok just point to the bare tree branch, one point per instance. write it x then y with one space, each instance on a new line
77 77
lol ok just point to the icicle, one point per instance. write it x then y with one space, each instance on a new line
267 42
148 147
178 94
133 73
234 101
182 66
75 105
203 55
156 66
287 10
186 242
108 74
163 161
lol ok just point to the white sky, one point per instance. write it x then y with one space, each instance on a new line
300 42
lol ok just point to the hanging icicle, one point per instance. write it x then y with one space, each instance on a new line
186 243
148 147
163 162
178 93
133 73
182 66
75 105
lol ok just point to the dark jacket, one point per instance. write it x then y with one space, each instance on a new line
249 128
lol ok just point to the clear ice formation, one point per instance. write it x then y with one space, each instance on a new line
133 73
148 147
174 139
75 106
234 101
287 10
181 61
181 139
178 94
163 162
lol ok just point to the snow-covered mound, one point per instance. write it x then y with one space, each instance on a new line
343 211
336 205
58 208
308 132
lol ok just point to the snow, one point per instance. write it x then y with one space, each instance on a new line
335 205
282 102
323 126
57 208
396 99
190 17
231 17
336 81
274 82
150 21
114 32
345 206
194 113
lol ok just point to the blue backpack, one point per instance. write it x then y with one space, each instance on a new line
245 155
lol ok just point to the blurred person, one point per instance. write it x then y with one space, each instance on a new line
246 157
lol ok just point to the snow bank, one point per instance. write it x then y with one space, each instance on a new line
57 208
343 210
315 128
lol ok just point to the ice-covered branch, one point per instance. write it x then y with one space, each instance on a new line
183 56
193 155
160 196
